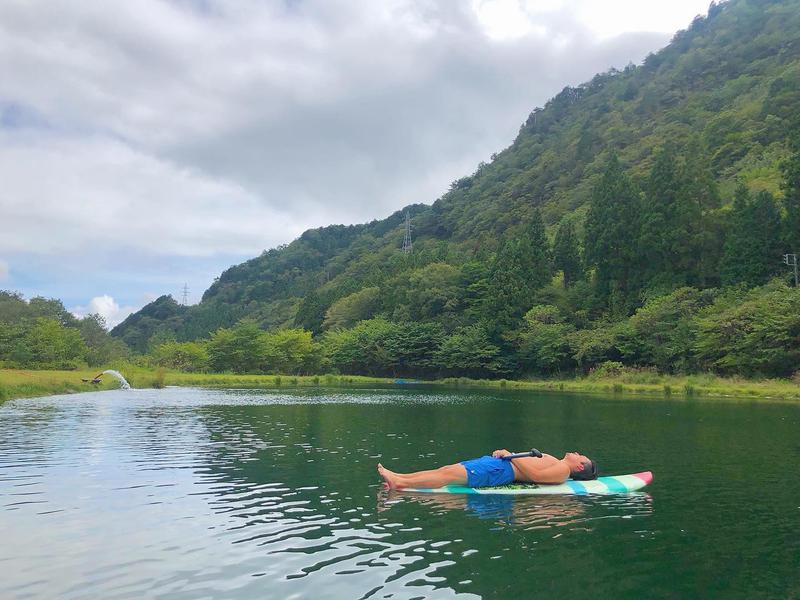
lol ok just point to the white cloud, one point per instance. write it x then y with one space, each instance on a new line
512 19
89 195
3 270
106 307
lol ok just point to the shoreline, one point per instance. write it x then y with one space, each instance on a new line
20 383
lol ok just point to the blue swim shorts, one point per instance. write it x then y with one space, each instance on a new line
488 471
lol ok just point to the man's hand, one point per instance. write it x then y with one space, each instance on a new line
500 453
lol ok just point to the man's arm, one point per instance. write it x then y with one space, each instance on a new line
531 471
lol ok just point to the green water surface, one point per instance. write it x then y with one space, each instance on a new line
188 493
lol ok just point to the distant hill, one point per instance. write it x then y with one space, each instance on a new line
729 85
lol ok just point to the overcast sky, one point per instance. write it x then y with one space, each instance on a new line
148 144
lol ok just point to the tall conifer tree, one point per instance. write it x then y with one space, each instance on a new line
753 245
699 239
612 235
566 253
791 200
733 265
660 236
538 263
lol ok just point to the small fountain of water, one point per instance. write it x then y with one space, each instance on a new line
123 384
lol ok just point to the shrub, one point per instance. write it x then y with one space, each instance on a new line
609 368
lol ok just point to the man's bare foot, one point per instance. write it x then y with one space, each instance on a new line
389 478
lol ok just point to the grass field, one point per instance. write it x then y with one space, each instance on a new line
15 383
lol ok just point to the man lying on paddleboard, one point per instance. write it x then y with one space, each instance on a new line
494 470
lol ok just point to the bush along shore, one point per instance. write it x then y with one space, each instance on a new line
15 383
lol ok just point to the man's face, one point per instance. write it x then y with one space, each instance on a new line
575 460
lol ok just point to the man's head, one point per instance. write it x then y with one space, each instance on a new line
581 467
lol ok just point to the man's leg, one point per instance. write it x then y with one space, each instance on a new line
434 478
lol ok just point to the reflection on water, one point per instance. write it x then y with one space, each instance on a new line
527 512
195 493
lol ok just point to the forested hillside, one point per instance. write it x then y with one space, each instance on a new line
665 193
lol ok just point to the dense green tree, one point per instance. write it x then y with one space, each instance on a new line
469 351
191 357
544 341
661 236
591 347
13 307
289 351
663 330
413 346
433 292
51 345
101 347
51 308
363 349
519 268
791 201
95 346
612 235
236 349
758 334
753 245
353 308
734 265
311 312
507 294
475 276
700 252
567 253
537 255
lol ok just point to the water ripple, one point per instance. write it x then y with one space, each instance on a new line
185 493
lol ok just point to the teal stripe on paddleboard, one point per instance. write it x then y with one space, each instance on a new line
460 489
615 486
577 487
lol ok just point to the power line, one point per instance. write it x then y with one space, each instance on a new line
185 294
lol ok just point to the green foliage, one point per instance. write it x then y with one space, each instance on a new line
753 248
311 312
612 235
757 334
351 309
236 349
101 348
42 334
544 341
289 351
50 345
567 253
362 349
192 357
161 318
433 292
469 351
790 169
664 330
593 346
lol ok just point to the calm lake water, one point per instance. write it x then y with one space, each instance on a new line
188 493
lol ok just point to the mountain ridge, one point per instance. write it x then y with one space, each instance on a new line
729 84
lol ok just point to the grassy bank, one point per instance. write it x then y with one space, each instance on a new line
18 383
665 386
22 383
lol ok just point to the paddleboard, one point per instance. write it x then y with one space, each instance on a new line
612 484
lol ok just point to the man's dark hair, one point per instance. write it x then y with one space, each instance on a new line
589 471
